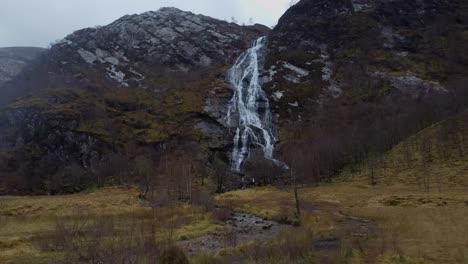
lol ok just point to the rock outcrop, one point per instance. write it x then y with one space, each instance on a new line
168 39
147 79
321 50
159 77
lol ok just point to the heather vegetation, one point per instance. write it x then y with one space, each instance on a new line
144 157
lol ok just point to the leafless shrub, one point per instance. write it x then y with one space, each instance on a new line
101 240
230 238
291 247
222 214
202 198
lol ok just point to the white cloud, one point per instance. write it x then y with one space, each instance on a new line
37 23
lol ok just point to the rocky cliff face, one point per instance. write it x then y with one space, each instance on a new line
321 50
344 78
148 79
14 59
127 50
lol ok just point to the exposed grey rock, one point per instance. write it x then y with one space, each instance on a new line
410 84
170 38
59 137
14 59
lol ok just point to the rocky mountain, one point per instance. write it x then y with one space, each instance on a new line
407 47
147 79
362 75
344 80
132 50
169 38
14 59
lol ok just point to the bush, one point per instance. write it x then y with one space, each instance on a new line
173 255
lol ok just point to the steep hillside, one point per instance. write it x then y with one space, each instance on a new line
433 159
14 59
147 80
325 49
348 78
135 51
128 50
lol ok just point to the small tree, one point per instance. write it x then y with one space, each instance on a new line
144 170
296 158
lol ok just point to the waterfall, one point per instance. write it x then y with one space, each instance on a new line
249 109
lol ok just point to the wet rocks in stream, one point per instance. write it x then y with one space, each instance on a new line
239 229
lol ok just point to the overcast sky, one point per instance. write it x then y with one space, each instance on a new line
40 22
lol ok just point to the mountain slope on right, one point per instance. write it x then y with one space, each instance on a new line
349 80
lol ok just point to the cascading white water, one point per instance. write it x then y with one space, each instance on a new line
249 109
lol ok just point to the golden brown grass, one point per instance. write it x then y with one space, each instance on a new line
437 154
23 220
410 226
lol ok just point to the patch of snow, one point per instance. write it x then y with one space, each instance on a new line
112 60
295 104
182 68
101 53
102 56
361 7
87 56
141 77
402 54
278 95
271 73
121 55
300 72
116 75
327 71
292 79
327 74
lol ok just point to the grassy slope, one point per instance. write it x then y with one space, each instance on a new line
420 228
412 222
25 220
438 153
408 225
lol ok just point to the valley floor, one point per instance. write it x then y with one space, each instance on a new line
345 222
